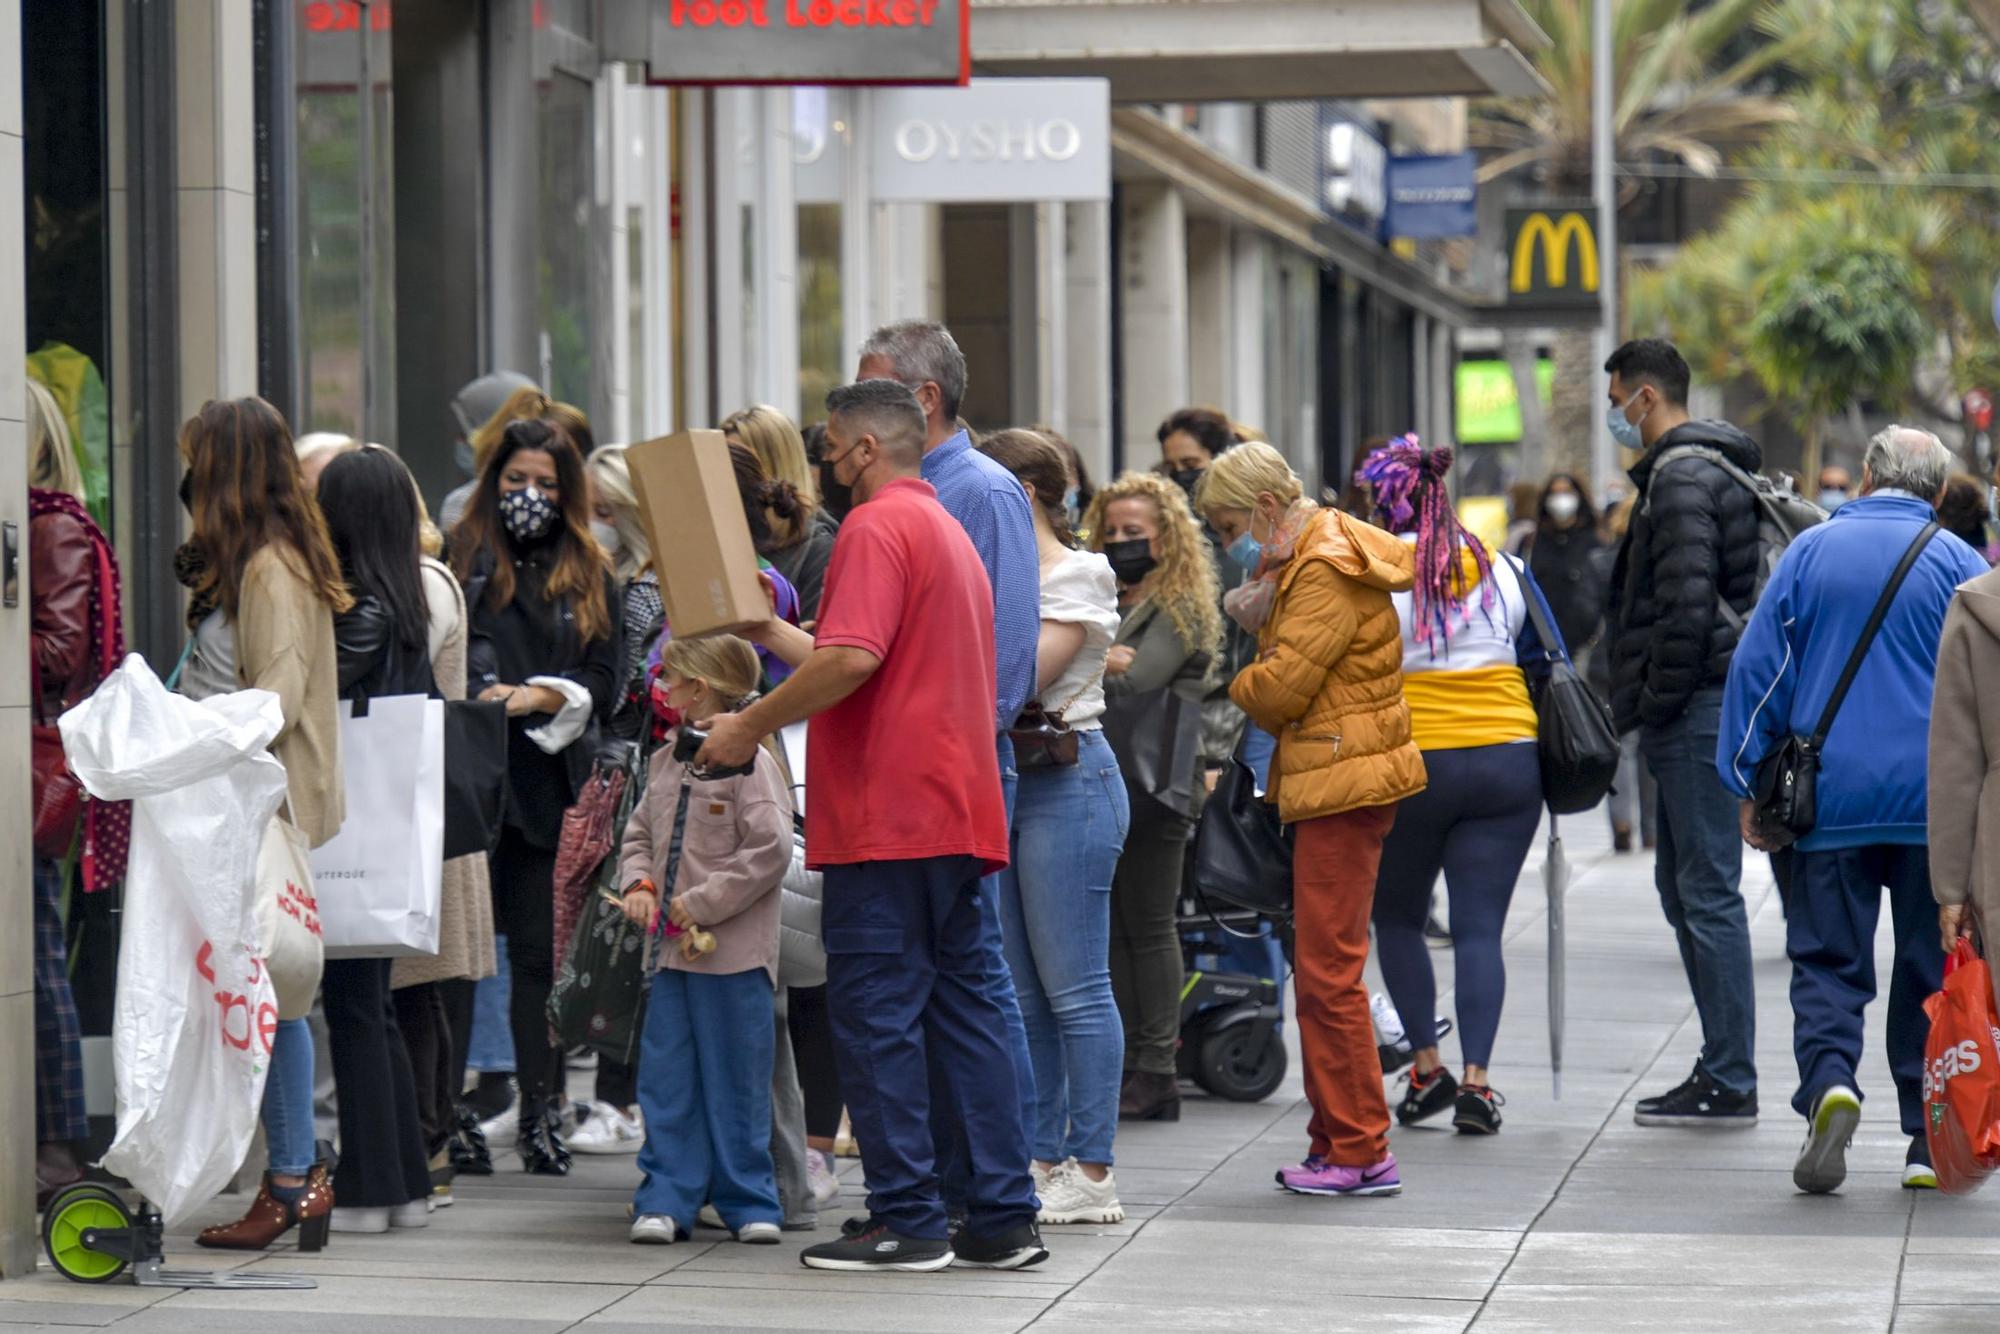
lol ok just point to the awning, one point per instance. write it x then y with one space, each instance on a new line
1265 50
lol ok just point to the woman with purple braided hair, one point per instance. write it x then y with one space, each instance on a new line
1466 640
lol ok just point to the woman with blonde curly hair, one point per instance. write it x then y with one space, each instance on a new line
1328 683
1154 679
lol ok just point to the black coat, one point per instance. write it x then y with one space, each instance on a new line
1691 546
1563 563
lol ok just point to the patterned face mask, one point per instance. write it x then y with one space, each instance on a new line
527 513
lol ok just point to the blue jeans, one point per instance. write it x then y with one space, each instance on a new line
288 1100
1830 938
953 1166
1698 871
914 1010
1055 922
705 1058
491 1050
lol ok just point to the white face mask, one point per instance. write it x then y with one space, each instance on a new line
1563 506
607 537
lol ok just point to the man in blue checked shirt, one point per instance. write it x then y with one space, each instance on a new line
993 509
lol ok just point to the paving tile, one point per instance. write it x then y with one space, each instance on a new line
1947 1319
1647 1309
1701 1260
1347 1315
342 1295
831 1306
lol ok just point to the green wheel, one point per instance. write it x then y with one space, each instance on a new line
69 1215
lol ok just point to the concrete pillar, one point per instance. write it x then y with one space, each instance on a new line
1051 311
1420 379
733 185
1443 383
1247 396
859 223
777 233
216 197
1211 326
1086 417
1153 319
18 1238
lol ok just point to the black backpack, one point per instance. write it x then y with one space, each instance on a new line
1782 514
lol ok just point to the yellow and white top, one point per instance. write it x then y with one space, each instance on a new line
1470 691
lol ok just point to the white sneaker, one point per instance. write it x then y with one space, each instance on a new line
820 1175
759 1234
503 1131
653 1230
1072 1197
359 1220
416 1213
707 1217
608 1130
580 1059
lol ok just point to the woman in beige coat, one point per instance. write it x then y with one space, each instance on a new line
434 992
1964 748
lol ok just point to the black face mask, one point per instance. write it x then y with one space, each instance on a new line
187 491
1131 560
835 497
1187 479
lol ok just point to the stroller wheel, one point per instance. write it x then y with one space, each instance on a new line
1234 1065
81 1209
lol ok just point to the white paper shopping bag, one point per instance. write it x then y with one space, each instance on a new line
379 881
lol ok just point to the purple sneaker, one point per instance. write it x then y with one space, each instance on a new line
1318 1177
1311 1163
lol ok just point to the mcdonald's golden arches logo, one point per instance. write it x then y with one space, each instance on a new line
1552 255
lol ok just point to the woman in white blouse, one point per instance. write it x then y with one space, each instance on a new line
1070 817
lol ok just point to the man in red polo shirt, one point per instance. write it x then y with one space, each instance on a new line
904 815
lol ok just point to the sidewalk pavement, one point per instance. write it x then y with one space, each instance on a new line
1573 1218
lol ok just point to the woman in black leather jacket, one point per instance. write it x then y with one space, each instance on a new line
382 649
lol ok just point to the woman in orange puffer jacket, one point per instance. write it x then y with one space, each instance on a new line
1328 682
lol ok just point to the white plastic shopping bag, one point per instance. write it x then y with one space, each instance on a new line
380 880
195 1015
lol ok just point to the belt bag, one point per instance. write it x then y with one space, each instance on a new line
1042 740
1787 792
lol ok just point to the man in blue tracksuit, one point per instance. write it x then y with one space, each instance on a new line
1870 834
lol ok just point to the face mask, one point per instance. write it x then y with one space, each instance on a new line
1246 550
1625 432
187 491
1070 507
1187 479
461 454
1831 500
1130 560
1563 506
527 514
607 537
1993 506
837 498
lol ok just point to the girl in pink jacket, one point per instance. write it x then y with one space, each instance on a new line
706 1055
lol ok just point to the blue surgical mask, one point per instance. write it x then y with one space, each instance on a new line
1831 499
1622 430
1246 550
1070 507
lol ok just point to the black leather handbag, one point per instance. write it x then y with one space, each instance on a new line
1787 792
475 775
1577 743
1242 850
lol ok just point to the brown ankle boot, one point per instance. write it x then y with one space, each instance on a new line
1150 1097
270 1217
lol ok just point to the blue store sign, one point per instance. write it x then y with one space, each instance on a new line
1432 196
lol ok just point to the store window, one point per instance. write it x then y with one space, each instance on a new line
564 283
346 229
821 139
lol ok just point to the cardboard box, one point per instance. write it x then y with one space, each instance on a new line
701 542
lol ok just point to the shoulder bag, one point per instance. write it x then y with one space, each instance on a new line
1242 850
1787 794
1577 744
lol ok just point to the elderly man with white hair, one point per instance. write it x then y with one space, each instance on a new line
1869 836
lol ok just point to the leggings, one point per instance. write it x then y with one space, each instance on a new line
1146 968
812 1049
1475 822
524 911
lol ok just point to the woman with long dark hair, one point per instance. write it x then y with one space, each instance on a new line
382 647
1467 638
545 641
264 587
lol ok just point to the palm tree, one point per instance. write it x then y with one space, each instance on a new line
1686 85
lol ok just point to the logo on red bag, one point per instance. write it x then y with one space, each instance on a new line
1955 1061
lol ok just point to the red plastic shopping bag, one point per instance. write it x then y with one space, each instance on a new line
1962 1074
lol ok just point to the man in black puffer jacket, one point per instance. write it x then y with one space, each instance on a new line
1680 593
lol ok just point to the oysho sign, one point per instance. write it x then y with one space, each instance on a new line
810 41
996 139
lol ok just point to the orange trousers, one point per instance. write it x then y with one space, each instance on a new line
1334 861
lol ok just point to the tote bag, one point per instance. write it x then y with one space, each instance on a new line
475 775
380 880
288 930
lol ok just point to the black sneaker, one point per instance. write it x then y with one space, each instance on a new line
1436 934
1425 1097
1478 1110
1697 1102
876 1245
1016 1248
1918 1173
